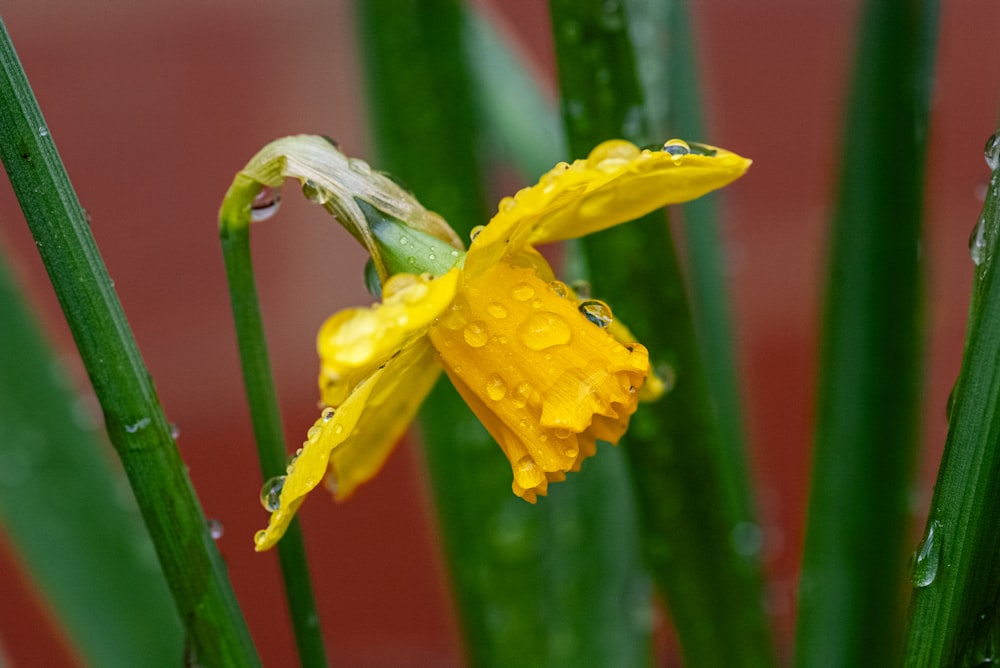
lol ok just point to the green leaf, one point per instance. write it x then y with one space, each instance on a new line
871 360
699 544
956 576
216 632
557 583
69 513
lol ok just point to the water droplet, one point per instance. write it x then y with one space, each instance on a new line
314 193
497 310
259 537
560 288
571 452
522 291
175 431
313 434
928 557
475 232
667 375
747 538
678 149
581 288
215 529
43 131
265 204
476 334
506 204
359 166
992 151
527 474
597 312
328 414
562 433
544 330
521 395
270 493
141 424
496 388
977 242
338 429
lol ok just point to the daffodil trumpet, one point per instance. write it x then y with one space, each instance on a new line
549 372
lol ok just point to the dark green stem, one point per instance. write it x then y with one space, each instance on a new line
701 548
135 422
871 363
269 435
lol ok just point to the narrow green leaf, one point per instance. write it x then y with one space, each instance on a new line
666 61
956 574
871 366
558 583
216 632
702 551
84 546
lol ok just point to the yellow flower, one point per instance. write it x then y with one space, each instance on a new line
546 373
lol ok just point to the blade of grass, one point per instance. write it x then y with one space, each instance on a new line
694 533
84 546
559 583
871 368
956 576
269 433
217 633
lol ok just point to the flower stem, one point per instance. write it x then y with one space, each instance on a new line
699 543
135 422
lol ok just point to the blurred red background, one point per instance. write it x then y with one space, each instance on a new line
154 107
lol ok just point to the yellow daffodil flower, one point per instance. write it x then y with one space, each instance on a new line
547 373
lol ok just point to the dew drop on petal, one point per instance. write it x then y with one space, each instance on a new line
328 414
560 289
476 334
270 493
475 232
571 452
497 310
544 330
314 193
313 434
992 151
506 204
359 166
561 433
522 291
677 149
597 312
259 537
522 393
496 388
265 204
527 474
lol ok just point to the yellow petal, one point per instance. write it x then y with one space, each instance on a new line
542 378
353 442
617 182
353 342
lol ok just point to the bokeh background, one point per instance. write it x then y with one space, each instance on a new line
154 107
